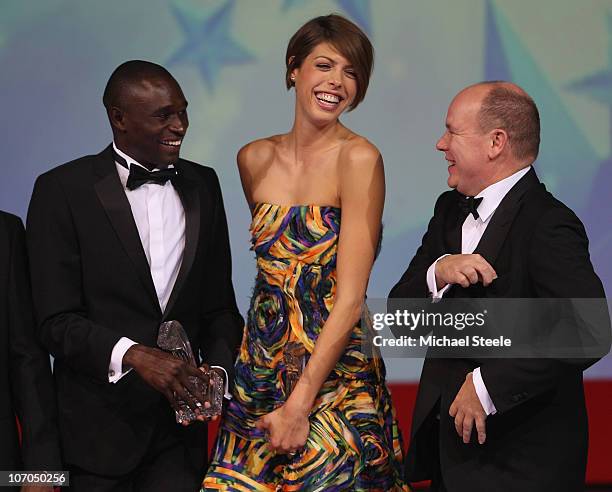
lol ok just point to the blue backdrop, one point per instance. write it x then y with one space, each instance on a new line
56 56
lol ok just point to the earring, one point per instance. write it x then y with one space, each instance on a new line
293 78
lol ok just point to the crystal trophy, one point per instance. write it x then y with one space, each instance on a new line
172 338
293 356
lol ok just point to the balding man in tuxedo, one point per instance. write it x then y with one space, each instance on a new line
499 424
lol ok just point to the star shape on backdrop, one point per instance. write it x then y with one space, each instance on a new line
506 57
208 43
358 10
598 86
584 188
289 4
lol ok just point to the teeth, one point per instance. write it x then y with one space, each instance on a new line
332 98
173 143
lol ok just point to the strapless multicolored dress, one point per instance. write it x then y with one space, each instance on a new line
354 442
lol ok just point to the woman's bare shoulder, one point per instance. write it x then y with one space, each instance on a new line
359 152
259 152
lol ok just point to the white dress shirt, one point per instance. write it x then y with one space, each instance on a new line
471 233
160 220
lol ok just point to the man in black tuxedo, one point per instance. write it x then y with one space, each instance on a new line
26 386
499 424
119 242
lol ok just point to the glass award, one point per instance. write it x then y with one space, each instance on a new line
173 339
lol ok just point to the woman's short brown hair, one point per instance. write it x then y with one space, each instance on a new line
348 39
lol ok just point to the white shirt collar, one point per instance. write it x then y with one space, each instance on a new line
129 161
493 195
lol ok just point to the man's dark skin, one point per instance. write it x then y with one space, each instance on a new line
145 117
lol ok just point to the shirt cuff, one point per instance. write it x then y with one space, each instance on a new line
431 281
483 394
115 368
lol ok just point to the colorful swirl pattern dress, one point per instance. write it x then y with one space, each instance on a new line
354 442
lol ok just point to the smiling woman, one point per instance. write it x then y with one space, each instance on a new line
343 38
310 410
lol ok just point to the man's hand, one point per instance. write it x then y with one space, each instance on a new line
464 270
467 409
167 374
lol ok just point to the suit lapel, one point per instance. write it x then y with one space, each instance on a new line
454 224
117 207
497 230
190 196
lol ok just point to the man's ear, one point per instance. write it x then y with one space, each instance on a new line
117 118
498 142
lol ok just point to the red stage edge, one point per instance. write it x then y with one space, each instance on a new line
599 406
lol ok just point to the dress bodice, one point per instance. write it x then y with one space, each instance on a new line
303 233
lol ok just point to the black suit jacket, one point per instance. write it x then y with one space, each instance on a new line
92 285
538 438
26 385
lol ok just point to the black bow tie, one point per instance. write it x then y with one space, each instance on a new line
469 205
139 176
